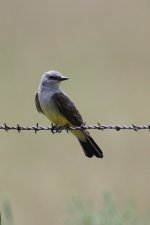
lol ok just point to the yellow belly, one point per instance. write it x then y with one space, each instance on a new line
60 120
57 119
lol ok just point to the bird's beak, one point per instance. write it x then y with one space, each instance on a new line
63 78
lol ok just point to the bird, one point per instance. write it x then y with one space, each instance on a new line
52 101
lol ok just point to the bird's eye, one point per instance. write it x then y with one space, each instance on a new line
50 77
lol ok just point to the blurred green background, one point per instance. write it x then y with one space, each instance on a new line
104 48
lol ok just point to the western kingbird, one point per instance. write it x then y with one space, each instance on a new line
57 107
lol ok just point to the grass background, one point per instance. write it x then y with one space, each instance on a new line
103 47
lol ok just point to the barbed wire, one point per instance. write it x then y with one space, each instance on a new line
59 129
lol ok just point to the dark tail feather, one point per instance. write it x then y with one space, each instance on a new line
90 148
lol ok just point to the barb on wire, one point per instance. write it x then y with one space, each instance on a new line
58 129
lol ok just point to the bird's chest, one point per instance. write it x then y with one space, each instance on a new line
51 110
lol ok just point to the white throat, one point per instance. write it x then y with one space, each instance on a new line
49 90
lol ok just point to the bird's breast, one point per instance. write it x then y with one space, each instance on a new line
51 111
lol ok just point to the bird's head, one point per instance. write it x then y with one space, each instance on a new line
52 78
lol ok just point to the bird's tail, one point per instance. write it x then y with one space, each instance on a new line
90 148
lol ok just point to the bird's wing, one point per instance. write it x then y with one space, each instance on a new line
67 108
37 103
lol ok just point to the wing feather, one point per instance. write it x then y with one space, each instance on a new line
67 108
37 103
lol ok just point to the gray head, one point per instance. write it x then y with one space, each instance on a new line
52 78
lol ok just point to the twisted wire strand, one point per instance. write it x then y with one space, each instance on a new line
59 129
